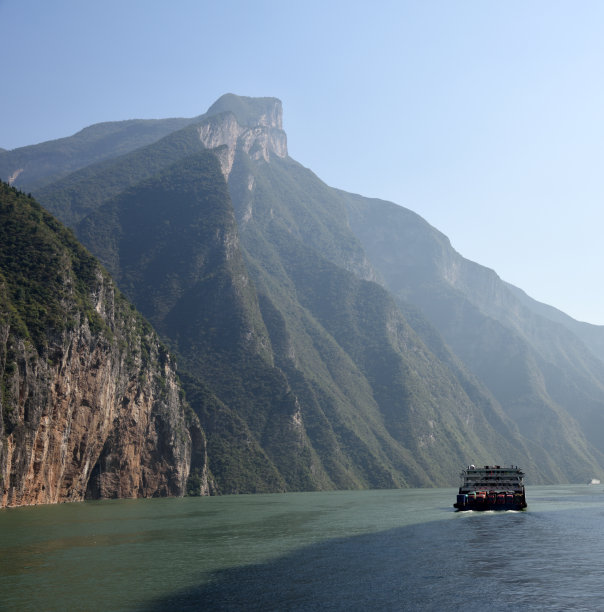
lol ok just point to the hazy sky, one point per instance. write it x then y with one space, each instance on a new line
486 118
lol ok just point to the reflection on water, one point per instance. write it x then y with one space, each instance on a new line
339 550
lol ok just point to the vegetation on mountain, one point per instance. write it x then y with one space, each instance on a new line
80 193
36 251
159 239
299 251
545 378
172 244
89 399
41 164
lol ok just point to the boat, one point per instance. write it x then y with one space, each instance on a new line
491 487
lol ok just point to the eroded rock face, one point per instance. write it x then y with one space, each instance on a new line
265 137
97 415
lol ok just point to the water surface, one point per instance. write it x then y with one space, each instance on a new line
386 550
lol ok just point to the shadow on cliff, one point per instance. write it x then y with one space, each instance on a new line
473 559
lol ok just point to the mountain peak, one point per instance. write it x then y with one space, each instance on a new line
251 125
250 112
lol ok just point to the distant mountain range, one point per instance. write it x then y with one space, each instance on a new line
323 339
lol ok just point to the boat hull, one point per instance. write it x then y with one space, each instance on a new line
484 507
491 500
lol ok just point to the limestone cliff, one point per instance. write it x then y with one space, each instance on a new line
251 125
90 403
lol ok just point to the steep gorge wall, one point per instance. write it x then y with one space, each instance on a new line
92 418
90 404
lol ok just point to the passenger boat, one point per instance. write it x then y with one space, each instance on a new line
491 487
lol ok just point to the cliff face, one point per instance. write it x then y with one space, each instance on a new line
258 136
94 424
90 402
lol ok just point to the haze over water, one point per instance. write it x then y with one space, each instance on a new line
389 550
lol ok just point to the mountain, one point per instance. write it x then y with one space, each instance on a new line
181 264
79 193
322 380
324 339
544 376
34 166
591 335
90 403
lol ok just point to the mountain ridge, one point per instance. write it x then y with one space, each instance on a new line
33 166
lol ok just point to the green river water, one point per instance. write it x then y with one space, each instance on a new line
391 550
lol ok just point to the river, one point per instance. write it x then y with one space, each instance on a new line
345 550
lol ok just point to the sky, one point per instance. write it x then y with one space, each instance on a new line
484 117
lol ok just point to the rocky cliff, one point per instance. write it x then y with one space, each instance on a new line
90 403
252 126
